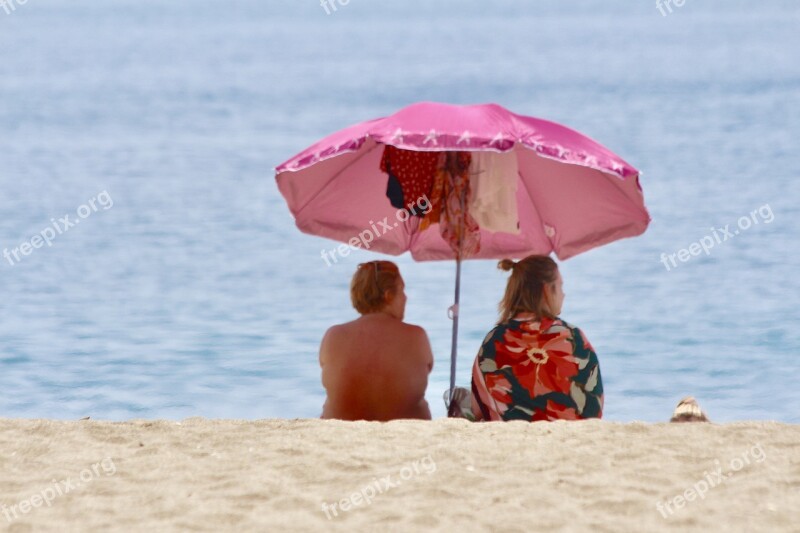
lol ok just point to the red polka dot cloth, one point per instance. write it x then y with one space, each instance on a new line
414 172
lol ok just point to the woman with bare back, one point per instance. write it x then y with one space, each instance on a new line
376 367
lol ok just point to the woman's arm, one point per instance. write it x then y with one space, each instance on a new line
423 356
425 349
588 379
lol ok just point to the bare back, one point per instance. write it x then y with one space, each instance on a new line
375 368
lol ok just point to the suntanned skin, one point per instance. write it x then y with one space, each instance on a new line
376 367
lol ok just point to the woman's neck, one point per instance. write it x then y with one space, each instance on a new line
385 314
525 316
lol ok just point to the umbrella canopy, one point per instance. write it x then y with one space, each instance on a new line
573 194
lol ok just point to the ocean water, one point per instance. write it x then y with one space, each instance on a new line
186 290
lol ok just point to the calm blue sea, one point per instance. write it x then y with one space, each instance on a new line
195 295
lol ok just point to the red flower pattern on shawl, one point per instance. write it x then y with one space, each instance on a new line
541 361
499 387
555 411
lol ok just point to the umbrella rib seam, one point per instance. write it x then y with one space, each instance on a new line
333 178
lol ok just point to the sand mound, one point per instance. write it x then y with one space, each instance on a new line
448 475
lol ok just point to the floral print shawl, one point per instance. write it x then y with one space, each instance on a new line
537 370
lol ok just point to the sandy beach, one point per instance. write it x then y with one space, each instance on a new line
445 475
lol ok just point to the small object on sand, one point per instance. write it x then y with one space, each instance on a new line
86 418
462 403
688 411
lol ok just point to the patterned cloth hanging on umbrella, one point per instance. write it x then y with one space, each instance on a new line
444 179
410 174
457 226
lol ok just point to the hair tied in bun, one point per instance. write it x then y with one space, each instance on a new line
506 264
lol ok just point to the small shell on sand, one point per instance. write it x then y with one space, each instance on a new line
688 411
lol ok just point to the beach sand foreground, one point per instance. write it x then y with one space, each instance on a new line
447 475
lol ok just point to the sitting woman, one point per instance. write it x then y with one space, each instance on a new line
533 365
376 367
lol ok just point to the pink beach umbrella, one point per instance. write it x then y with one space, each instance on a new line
572 194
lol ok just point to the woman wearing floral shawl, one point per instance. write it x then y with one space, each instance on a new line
533 365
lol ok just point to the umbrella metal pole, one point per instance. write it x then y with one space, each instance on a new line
452 409
454 345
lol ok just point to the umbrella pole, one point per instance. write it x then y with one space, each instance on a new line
454 345
453 409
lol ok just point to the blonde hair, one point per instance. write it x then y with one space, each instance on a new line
525 288
370 283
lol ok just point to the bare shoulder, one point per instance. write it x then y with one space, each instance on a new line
338 330
418 338
420 344
335 334
416 332
332 332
